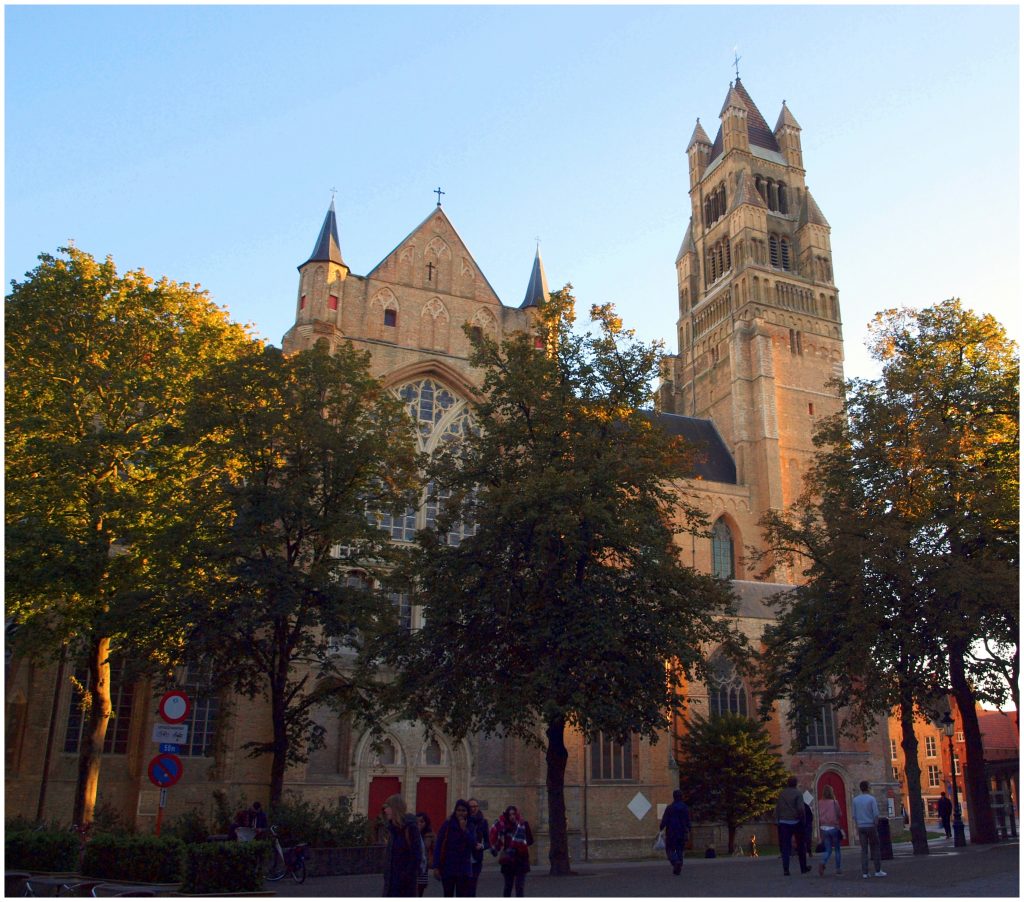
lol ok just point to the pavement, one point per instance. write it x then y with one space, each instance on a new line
975 871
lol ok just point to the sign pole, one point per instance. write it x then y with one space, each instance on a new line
160 810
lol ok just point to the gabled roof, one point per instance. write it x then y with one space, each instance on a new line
810 212
423 227
713 461
699 136
327 247
758 132
998 734
688 246
537 288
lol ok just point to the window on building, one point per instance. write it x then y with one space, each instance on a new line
302 302
432 753
610 760
934 777
386 754
122 694
820 732
332 302
773 250
726 692
810 408
722 560
202 718
895 774
959 737
929 746
390 317
956 765
785 253
892 749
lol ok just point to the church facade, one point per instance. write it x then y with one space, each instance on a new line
759 339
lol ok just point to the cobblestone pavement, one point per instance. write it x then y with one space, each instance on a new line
975 871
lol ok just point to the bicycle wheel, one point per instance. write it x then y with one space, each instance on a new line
299 871
275 866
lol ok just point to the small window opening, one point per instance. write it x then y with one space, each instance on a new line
390 317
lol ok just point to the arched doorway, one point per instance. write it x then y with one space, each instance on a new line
831 778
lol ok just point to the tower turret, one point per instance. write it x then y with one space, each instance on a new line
734 122
787 133
698 151
322 275
537 288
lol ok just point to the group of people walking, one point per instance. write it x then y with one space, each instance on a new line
795 820
455 854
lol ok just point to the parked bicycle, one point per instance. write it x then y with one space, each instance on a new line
285 861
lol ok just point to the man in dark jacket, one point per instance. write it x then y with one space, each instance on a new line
945 813
676 824
478 823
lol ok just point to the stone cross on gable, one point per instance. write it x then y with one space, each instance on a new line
439 192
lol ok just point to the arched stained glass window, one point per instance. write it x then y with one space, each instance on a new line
722 564
726 692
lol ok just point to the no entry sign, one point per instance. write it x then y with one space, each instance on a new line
165 770
174 706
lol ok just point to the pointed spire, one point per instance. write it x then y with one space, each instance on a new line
699 136
327 247
688 246
786 118
733 99
537 289
810 212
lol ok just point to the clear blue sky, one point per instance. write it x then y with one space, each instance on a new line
201 143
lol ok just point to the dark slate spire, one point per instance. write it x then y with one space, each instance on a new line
327 248
537 290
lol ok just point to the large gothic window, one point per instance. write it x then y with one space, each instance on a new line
820 730
726 691
440 415
122 692
722 561
611 760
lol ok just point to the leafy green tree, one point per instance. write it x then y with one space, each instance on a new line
307 447
909 531
728 770
569 604
99 368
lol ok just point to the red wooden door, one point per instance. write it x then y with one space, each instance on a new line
381 788
831 778
432 798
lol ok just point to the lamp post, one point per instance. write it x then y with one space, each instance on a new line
958 824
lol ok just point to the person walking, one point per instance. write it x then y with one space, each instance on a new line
865 815
945 813
404 854
676 824
789 816
479 824
829 816
427 834
453 852
808 831
510 839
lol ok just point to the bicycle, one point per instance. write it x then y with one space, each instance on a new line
286 861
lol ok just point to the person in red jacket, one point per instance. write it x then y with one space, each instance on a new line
510 840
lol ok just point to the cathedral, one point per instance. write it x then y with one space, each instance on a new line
759 344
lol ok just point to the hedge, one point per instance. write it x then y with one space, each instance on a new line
136 858
224 867
41 850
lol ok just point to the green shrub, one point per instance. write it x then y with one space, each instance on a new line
322 826
106 818
225 867
189 826
41 850
144 859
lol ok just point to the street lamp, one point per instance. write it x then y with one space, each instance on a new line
958 824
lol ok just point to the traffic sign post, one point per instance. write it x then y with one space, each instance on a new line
166 768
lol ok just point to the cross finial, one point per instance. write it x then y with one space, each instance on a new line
736 63
537 239
439 192
333 192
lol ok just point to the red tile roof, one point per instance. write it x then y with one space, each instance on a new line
999 734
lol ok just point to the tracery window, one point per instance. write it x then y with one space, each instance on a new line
821 729
722 562
726 692
611 760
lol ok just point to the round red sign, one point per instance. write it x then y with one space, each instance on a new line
175 706
165 770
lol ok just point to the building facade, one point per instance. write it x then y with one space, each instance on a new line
759 339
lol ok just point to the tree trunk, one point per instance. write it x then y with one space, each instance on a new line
732 837
90 754
918 818
278 713
979 807
557 756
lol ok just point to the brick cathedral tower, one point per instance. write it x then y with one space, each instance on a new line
759 331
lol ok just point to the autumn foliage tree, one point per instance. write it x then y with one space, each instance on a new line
99 369
569 605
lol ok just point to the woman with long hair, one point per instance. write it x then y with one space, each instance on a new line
829 816
423 822
404 855
510 840
453 852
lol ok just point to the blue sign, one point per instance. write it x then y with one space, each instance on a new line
170 747
165 769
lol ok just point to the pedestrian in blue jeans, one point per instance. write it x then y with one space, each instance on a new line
829 816
789 815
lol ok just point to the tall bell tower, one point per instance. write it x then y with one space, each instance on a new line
759 333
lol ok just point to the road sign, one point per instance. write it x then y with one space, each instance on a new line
171 747
170 732
175 706
165 770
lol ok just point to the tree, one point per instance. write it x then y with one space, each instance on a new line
568 605
283 544
99 369
729 770
908 531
